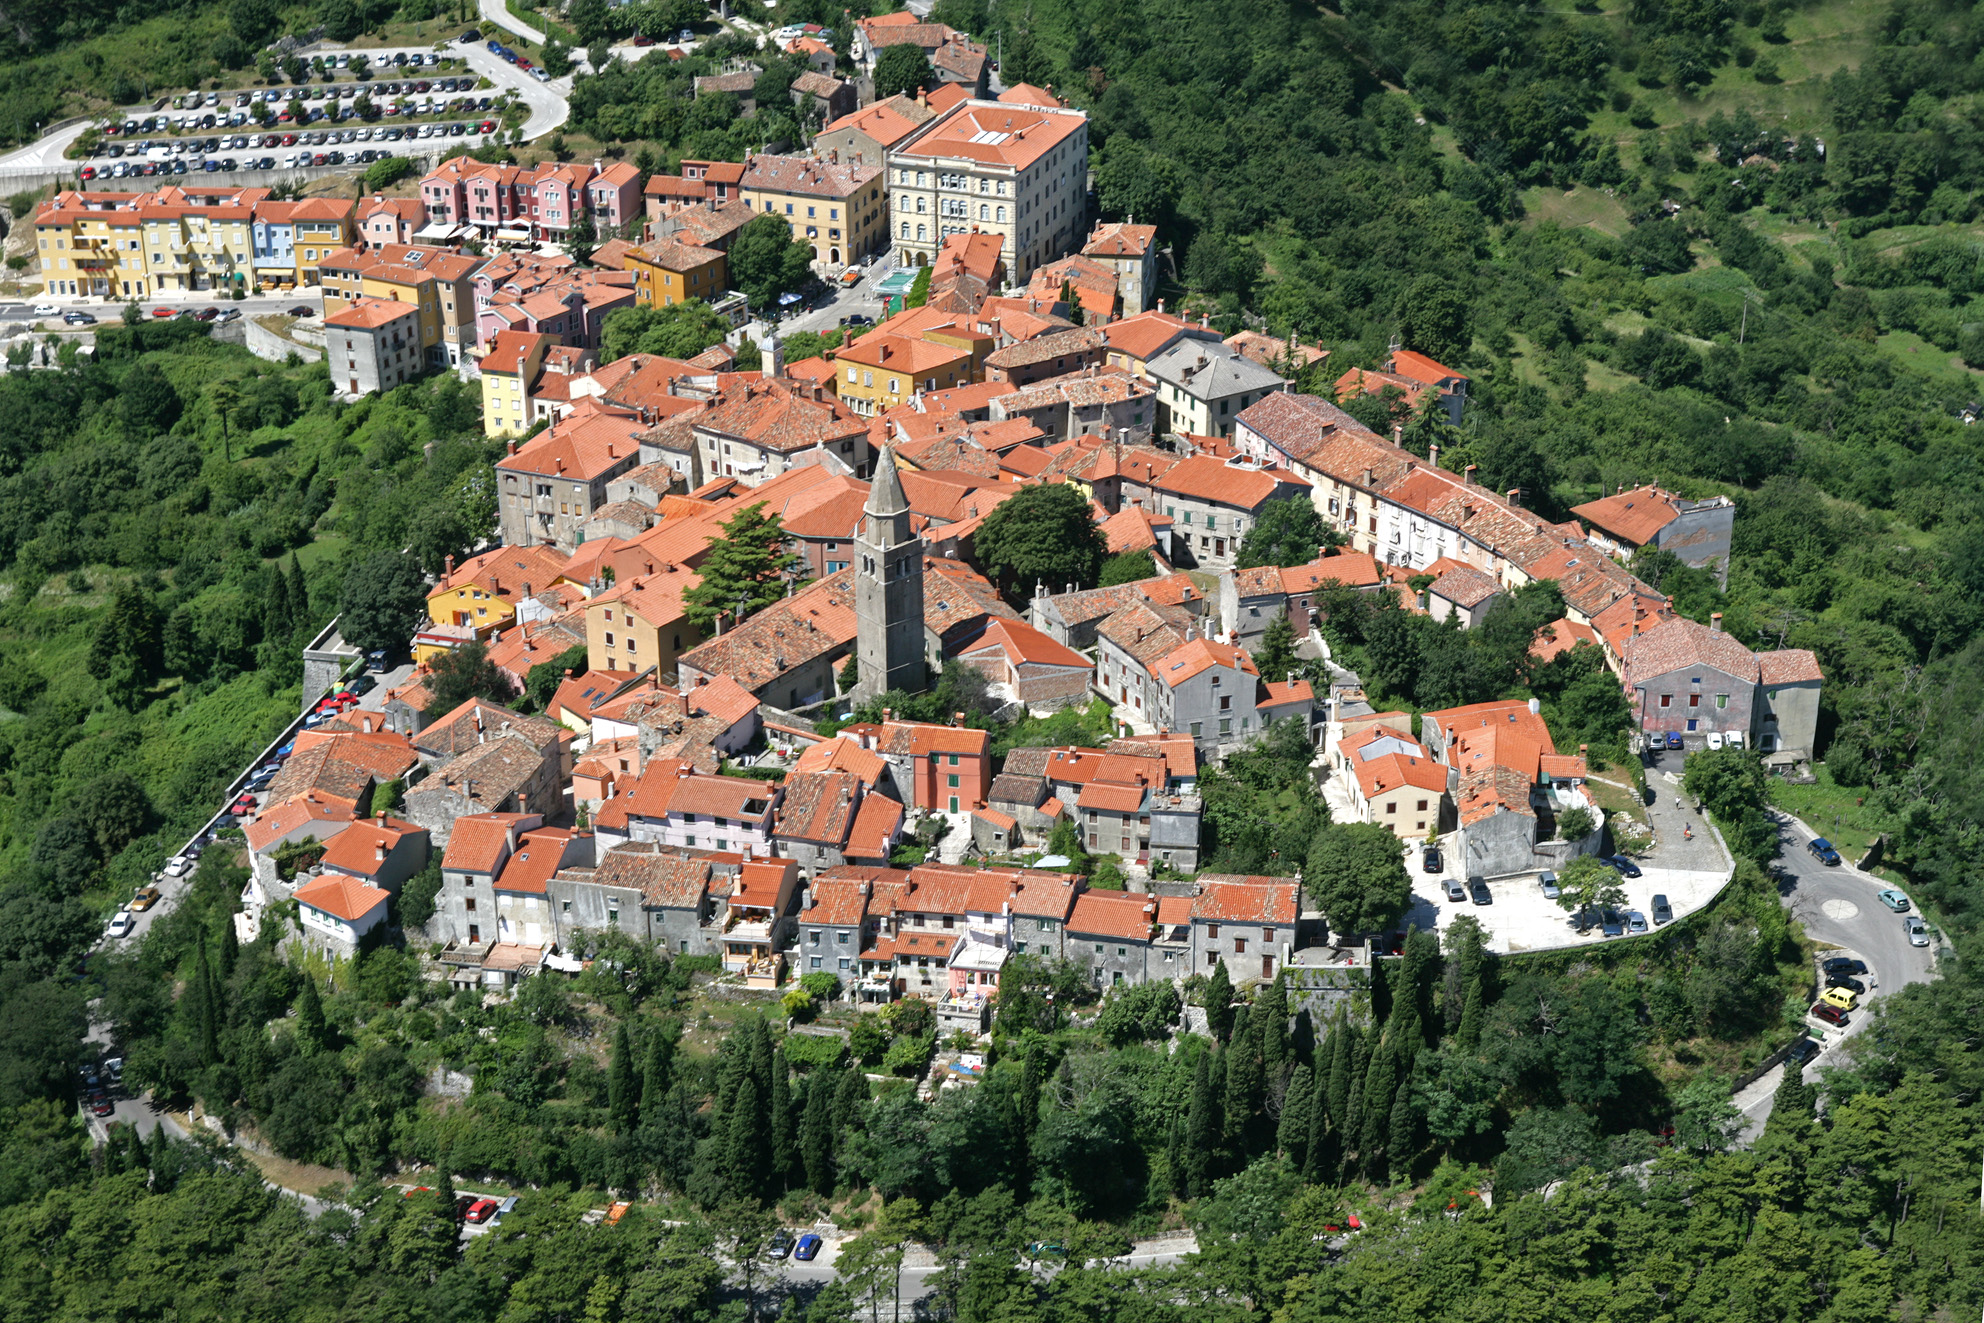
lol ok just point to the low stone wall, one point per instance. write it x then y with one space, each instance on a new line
264 343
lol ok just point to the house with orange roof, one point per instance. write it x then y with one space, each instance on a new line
1462 592
440 282
1214 502
882 371
1392 781
667 272
829 818
640 623
1451 386
516 651
1075 616
865 136
509 372
756 430
603 768
473 856
380 851
550 487
338 912
1508 787
1695 531
522 888
1053 355
671 804
381 220
1110 935
1272 353
482 592
1134 341
374 346
1559 637
306 815
1078 284
1031 666
979 163
613 194
836 208
1251 923
943 769
1125 248
1208 688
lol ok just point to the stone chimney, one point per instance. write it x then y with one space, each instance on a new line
449 559
1433 455
1515 496
1467 474
1398 434
1715 623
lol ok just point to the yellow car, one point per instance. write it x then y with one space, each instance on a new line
1843 998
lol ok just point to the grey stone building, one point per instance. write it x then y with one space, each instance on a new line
1174 830
465 913
1109 935
1249 922
645 889
888 590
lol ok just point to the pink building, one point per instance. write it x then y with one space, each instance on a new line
616 197
557 197
384 220
544 294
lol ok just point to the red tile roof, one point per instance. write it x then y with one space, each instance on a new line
1244 485
1635 516
480 842
1117 914
1680 644
1789 666
344 897
1225 898
540 854
1022 643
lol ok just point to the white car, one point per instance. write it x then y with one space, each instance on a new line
1715 739
1734 739
45 310
120 924
177 865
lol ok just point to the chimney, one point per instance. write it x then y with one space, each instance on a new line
1715 623
1535 707
1370 478
806 901
513 447
1398 434
1433 456
379 850
1467 474
449 561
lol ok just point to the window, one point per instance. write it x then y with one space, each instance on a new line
564 907
1098 948
1694 700
1267 934
1045 925
813 937
951 781
1667 700
1239 946
1391 808
840 938
1722 700
1019 948
1212 931
816 962
843 962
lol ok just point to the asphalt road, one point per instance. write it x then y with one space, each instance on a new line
920 1279
1836 906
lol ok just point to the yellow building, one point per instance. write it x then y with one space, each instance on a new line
199 240
509 370
839 211
437 280
482 593
668 272
638 623
92 243
322 226
880 371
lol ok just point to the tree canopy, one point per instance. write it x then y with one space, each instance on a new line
746 569
1356 873
1045 533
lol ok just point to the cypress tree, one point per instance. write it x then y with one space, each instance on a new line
1422 963
1244 1088
731 1067
1381 995
1271 1009
1292 1134
140 1159
210 1023
816 1135
784 1126
1201 1130
1219 1001
1026 1111
761 1056
226 952
1341 1040
444 1188
1469 1032
656 1073
746 1157
278 615
1380 1082
1402 1141
1351 1128
850 1095
1319 1161
623 1099
299 595
310 1033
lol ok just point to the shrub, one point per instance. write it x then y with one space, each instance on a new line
909 1057
809 1052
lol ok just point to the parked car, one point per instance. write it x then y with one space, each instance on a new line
1662 911
1478 888
1830 1014
1842 965
1918 931
1455 891
144 898
177 865
1893 899
165 312
1548 881
1843 998
1674 740
121 923
102 1106
1734 739
1612 923
1802 1052
78 318
860 319
1714 739
1431 859
1852 985
779 1245
45 310
480 1211
1822 850
808 1247
1624 866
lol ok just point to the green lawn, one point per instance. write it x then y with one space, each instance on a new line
1834 811
1576 208
1940 364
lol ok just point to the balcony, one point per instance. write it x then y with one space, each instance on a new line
464 953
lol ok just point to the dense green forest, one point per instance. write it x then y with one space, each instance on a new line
1727 247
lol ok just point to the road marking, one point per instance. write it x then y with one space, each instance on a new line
1839 909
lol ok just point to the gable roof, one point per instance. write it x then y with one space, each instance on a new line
1680 643
1636 516
1789 666
1021 643
1116 914
342 897
1245 485
1233 898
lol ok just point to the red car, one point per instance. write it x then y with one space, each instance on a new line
165 312
1830 1014
643 40
89 172
103 1107
480 1210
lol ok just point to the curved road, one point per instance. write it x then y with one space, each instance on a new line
1837 908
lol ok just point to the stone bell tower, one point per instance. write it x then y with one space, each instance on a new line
888 590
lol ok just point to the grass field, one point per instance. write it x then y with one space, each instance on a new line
1578 208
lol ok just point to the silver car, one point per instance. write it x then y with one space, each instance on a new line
1548 881
1918 931
1455 891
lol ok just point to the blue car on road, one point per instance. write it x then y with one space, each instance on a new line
808 1246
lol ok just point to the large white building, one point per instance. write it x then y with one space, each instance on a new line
1018 171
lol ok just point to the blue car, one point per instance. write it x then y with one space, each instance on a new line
808 1246
1674 739
495 48
1624 866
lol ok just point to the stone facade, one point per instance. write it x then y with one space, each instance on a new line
888 591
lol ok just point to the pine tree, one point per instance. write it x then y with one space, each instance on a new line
1219 1001
1791 1107
623 1098
850 1097
310 1034
1292 1133
299 595
1469 1032
444 1188
784 1127
747 568
1201 1130
816 1135
656 1073
746 1155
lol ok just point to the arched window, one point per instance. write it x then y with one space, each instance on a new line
919 205
984 212
919 233
1002 215
905 229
